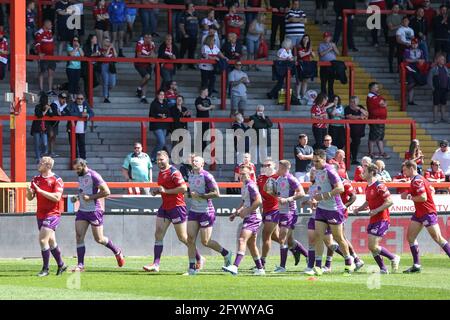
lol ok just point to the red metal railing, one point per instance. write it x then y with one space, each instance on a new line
347 12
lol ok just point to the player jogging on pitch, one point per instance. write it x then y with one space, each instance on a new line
421 193
173 209
92 188
201 216
249 212
47 188
378 201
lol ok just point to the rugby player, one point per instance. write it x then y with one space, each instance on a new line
47 188
249 212
421 193
92 188
201 216
378 201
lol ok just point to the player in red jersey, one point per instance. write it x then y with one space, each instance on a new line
421 193
378 201
173 209
47 188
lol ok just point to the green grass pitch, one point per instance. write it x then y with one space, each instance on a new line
104 280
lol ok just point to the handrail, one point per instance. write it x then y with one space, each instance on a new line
347 12
158 61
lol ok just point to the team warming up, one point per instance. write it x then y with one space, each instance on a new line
268 201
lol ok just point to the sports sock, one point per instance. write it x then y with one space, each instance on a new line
56 253
263 261
379 260
198 257
355 258
446 248
319 262
384 252
348 260
328 262
258 263
45 258
112 247
224 252
158 249
311 257
415 252
191 263
81 251
238 259
298 247
283 255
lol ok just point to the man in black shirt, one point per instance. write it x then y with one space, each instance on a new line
280 8
355 111
303 158
203 105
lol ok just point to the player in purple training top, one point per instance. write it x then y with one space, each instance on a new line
92 187
288 190
249 211
330 210
201 216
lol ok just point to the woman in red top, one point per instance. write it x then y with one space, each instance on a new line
101 17
435 174
319 111
415 154
304 52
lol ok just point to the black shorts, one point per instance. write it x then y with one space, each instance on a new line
376 132
321 4
46 65
440 97
144 70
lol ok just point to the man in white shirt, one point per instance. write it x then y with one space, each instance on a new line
404 37
443 156
238 80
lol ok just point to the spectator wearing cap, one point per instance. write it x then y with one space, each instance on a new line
435 174
4 53
57 108
238 81
189 28
137 166
73 68
279 10
404 37
443 156
303 158
393 22
145 49
327 52
439 81
417 69
377 108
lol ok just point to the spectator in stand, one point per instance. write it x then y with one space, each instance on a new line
435 174
208 75
213 31
233 22
355 111
108 69
339 161
439 81
246 161
149 18
420 28
167 50
382 5
39 128
295 23
232 48
415 154
382 175
255 35
304 52
415 77
171 94
77 7
189 28
359 170
251 16
59 108
327 52
117 11
159 110
31 23
130 18
262 125
319 111
284 61
45 46
80 108
91 49
238 81
329 148
279 10
177 112
443 156
203 105
335 130
303 159
393 21
321 5
404 37
4 55
236 125
430 14
207 22
101 18
377 108
441 30
73 68
339 6
145 49
137 167
63 32
176 16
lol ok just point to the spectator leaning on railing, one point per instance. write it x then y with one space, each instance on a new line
436 175
137 166
145 49
80 108
443 156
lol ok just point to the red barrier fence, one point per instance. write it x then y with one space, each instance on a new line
347 12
